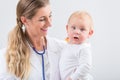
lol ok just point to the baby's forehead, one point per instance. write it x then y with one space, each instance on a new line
80 19
80 16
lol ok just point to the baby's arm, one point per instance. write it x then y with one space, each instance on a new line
84 67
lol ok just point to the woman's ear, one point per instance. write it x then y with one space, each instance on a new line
23 19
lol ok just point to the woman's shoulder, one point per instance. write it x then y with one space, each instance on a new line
55 44
55 41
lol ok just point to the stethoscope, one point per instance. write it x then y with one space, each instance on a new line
42 54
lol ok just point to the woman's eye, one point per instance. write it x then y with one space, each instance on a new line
42 20
50 16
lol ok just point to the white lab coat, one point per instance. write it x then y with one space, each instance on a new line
51 62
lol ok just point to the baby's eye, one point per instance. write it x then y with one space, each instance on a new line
82 29
73 27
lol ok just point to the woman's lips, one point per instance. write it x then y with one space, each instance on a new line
44 29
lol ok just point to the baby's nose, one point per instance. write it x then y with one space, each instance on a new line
78 31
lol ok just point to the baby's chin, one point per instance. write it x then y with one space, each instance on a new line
75 42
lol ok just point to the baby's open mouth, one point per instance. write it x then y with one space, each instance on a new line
76 38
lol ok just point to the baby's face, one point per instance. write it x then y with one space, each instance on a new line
78 30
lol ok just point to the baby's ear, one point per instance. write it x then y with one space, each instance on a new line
67 28
90 33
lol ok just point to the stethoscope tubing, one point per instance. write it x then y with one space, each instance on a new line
42 54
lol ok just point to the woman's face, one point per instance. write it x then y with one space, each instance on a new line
39 24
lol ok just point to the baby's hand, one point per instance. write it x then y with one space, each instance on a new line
68 78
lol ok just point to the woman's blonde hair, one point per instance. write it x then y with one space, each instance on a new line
18 51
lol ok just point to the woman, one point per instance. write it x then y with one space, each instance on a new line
30 55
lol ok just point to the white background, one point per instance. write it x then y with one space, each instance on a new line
105 41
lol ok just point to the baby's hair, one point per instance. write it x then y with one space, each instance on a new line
82 14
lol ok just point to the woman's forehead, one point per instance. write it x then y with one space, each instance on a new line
44 11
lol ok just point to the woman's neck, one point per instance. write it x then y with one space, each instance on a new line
37 42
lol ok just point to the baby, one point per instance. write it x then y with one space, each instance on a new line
75 62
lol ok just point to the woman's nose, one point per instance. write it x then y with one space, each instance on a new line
49 22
